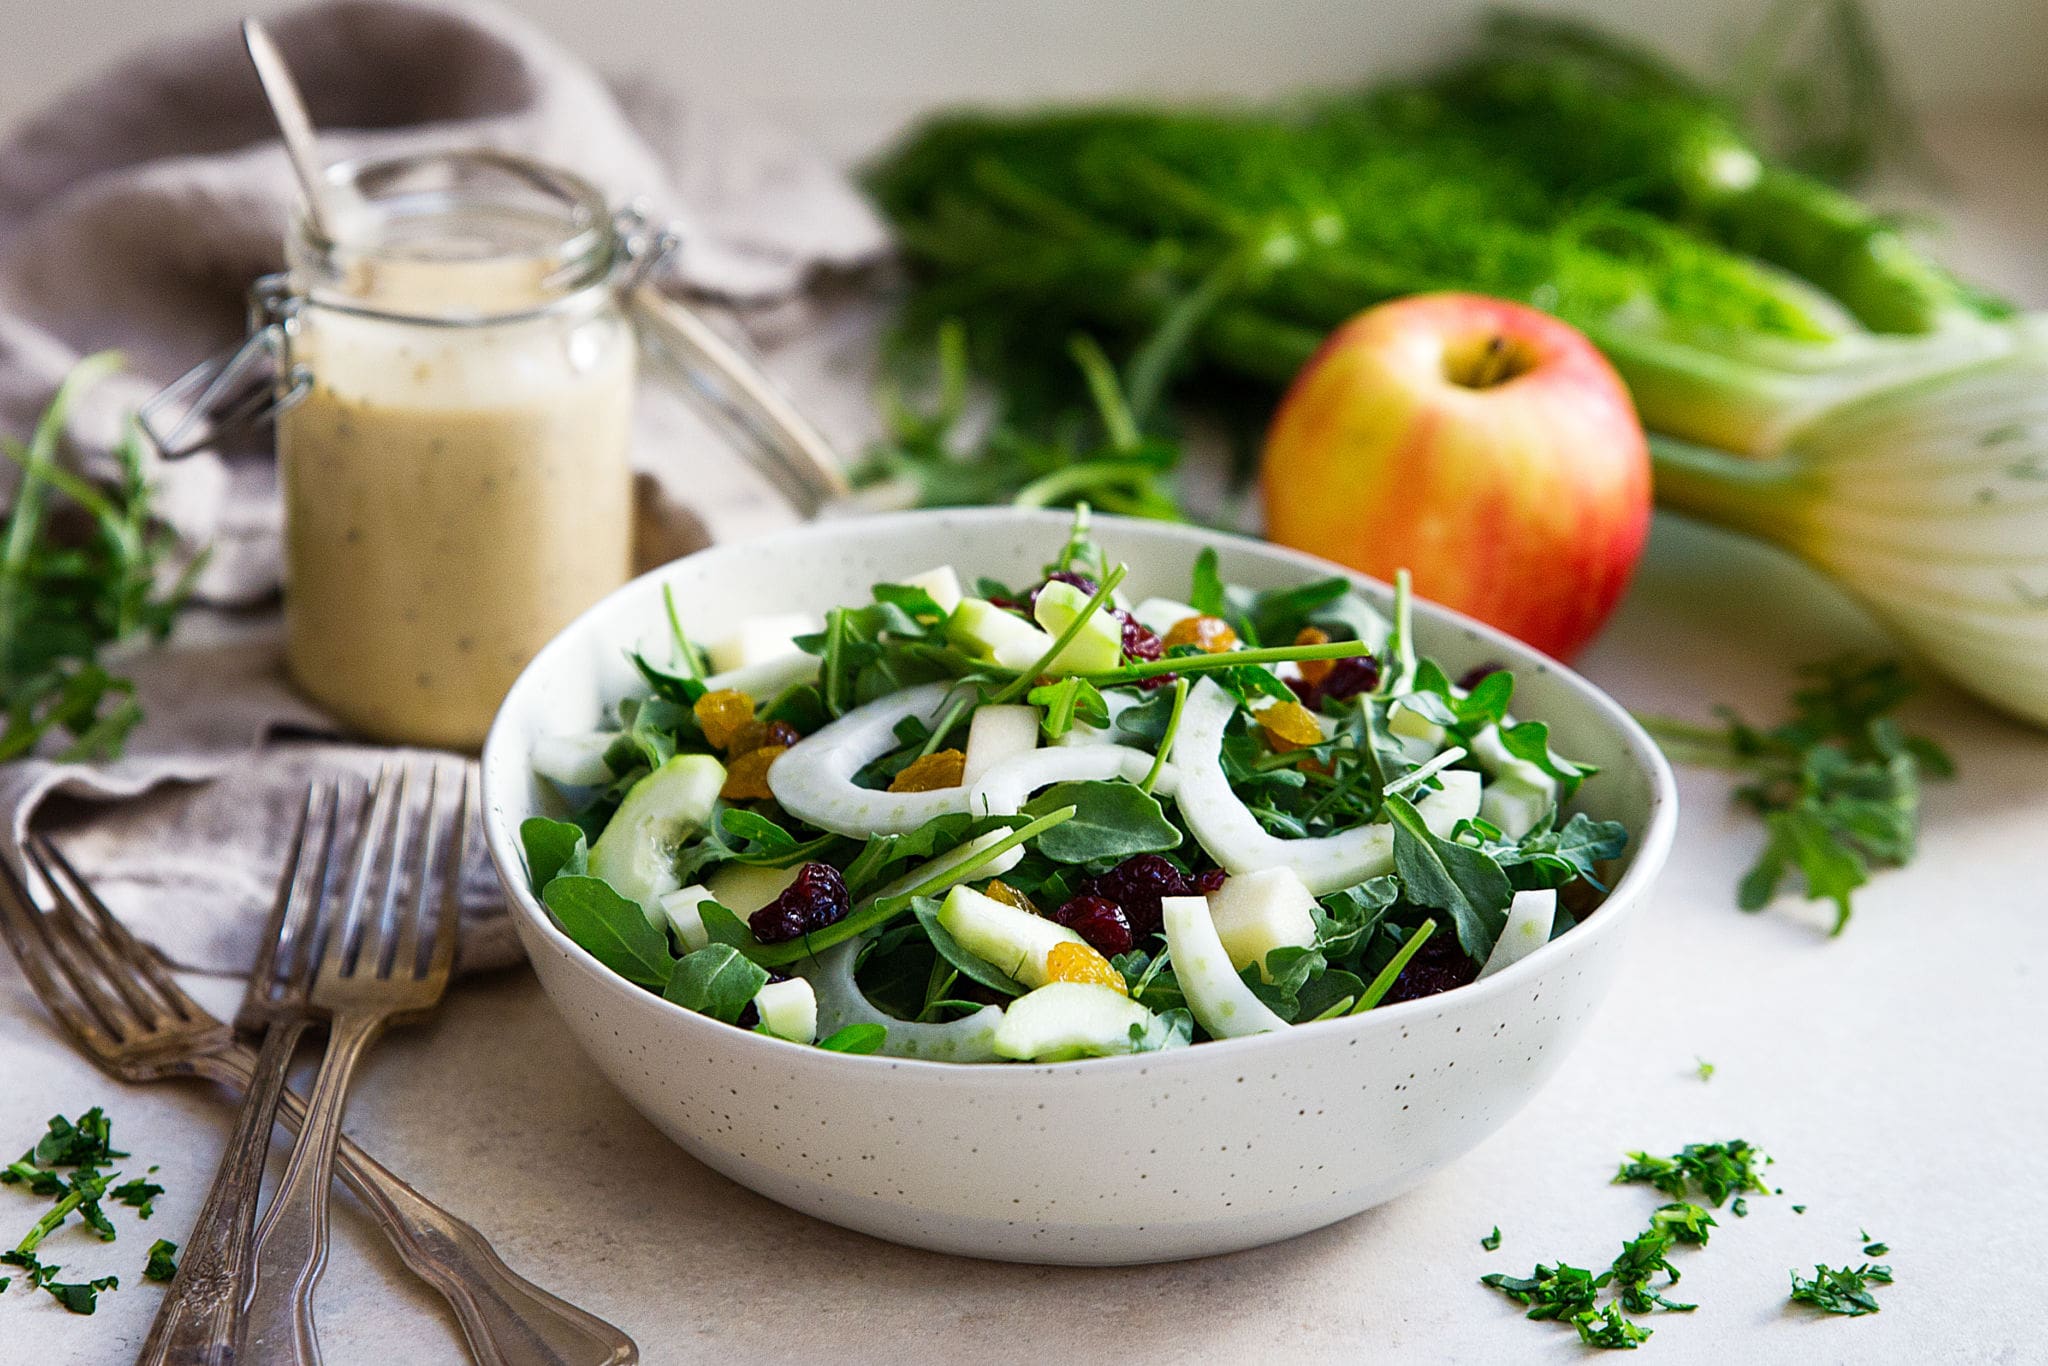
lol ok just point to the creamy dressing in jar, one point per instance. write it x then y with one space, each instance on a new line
455 472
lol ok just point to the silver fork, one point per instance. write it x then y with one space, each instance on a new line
200 1318
383 962
116 999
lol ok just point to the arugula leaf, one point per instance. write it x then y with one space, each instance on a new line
553 848
717 980
968 964
865 1037
1552 858
1451 877
1112 820
612 929
1166 1029
1067 701
163 1261
1345 920
1841 1290
723 926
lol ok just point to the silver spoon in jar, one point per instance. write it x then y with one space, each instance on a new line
328 205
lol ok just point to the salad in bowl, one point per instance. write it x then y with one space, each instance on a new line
966 820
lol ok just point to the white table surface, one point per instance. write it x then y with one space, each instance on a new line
1894 1072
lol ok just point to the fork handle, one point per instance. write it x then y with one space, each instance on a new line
199 1319
291 1246
507 1319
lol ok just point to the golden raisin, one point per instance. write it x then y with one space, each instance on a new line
1079 963
1210 635
746 778
1313 671
722 713
755 734
999 890
1289 726
947 768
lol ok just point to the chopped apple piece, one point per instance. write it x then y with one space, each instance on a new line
1216 995
1255 913
997 733
1064 1020
761 640
789 1010
1011 940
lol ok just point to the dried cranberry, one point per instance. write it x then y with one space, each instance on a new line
816 899
1140 640
1154 681
1437 966
1351 676
1478 674
1137 885
1210 880
1071 579
1098 920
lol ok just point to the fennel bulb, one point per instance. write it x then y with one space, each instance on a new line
1928 500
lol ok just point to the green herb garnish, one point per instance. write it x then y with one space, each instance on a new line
1841 1290
1491 1242
68 594
163 1261
1837 784
1716 1170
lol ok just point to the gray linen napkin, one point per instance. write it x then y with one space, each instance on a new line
135 211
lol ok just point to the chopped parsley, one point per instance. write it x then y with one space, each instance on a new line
1871 1246
1706 1069
1841 1290
1491 1242
139 1194
163 1261
1716 1170
84 1145
1610 1329
1837 784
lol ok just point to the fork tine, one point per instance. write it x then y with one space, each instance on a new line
404 959
61 929
447 923
265 967
344 937
125 949
20 921
290 949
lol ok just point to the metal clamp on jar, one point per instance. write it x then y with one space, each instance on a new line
452 375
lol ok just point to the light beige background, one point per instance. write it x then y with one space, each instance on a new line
833 65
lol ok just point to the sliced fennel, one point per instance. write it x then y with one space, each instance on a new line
814 780
1217 996
1004 789
1232 835
842 1003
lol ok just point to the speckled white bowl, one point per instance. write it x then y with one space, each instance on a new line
1116 1160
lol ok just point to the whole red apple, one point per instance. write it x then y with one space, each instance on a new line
1486 447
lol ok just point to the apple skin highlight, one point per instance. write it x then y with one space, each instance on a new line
1486 447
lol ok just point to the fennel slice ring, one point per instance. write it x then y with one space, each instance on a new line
814 780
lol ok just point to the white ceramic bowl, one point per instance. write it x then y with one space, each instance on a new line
1149 1158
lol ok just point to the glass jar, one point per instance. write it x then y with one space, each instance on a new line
452 378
